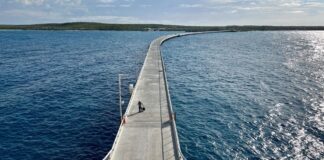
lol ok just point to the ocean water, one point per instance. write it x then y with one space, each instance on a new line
59 90
248 95
245 95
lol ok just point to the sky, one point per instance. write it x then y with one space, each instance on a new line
181 12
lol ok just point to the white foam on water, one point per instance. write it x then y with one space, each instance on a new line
318 114
322 106
264 86
290 63
303 143
308 144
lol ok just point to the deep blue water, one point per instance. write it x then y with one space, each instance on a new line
248 95
59 90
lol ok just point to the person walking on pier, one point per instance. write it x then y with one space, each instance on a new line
141 107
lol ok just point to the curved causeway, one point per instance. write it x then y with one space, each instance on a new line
151 134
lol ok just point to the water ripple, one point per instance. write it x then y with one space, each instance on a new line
59 91
251 95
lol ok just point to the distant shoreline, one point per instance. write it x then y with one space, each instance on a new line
150 27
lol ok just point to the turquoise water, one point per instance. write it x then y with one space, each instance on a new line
248 95
59 90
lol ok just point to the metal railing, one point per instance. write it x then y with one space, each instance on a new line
108 155
173 124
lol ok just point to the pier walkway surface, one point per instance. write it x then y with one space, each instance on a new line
152 134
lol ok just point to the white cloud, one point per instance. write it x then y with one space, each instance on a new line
106 5
68 2
221 1
106 1
291 4
119 19
41 2
32 14
266 6
125 5
145 5
190 5
234 11
30 2
296 12
314 4
256 8
109 19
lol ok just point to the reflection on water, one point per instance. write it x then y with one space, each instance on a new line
248 95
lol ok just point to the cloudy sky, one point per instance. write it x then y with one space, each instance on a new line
184 12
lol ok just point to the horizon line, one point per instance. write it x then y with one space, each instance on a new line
68 22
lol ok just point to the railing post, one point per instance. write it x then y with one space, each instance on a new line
120 98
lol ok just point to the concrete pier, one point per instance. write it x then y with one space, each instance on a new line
152 134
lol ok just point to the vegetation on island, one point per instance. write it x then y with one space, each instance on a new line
151 27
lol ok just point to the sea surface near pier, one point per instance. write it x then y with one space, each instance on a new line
248 95
59 90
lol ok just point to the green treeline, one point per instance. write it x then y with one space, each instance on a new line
151 27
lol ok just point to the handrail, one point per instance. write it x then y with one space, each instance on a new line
107 157
173 124
174 128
